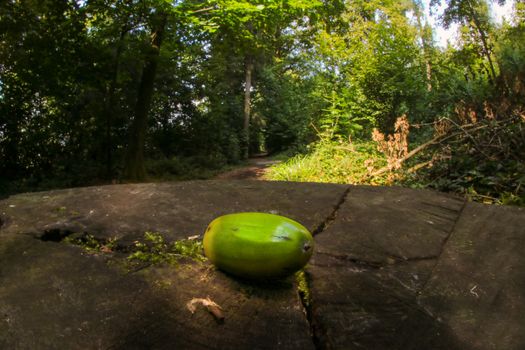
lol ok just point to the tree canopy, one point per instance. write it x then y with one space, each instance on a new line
94 91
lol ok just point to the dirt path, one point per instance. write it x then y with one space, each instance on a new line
255 170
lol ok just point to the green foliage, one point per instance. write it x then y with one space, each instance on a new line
344 114
152 250
323 71
371 70
281 106
186 168
510 55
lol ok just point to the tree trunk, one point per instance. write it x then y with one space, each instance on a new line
486 50
424 42
247 106
10 166
484 42
110 102
134 167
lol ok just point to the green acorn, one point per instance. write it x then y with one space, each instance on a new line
257 245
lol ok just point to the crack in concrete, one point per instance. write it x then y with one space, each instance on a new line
304 292
365 265
392 260
333 215
306 301
57 235
443 244
54 235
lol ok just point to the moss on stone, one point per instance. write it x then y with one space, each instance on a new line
303 288
154 250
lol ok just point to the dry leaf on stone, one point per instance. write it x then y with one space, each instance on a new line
209 304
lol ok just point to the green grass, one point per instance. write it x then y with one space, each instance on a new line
91 244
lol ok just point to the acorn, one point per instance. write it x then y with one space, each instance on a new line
257 245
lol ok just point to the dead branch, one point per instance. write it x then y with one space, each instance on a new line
436 140
474 142
416 167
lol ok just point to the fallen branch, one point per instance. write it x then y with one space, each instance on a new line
467 133
416 167
435 140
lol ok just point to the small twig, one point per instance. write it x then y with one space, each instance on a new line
203 10
476 144
477 195
316 130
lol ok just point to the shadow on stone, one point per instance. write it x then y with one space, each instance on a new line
60 295
363 309
54 235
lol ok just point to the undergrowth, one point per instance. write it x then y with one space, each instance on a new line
482 159
91 244
336 161
186 168
485 162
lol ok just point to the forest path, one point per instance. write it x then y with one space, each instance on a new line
255 169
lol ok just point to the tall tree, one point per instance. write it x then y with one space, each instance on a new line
425 35
248 67
253 25
158 15
134 167
473 14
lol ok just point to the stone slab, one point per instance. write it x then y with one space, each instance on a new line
393 268
177 210
478 285
369 265
57 296
354 308
53 297
387 224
